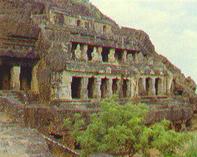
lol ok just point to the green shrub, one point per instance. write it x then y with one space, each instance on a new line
191 148
118 129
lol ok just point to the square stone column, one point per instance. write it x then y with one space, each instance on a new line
169 84
124 56
134 87
15 78
144 83
128 88
164 86
142 86
120 83
84 88
84 52
97 89
64 89
161 87
153 91
99 51
119 87
34 82
109 87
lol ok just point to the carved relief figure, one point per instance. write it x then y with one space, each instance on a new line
111 56
130 58
78 52
96 57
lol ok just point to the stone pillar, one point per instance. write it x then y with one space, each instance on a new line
52 17
109 87
64 89
120 83
119 87
153 87
99 51
34 82
164 86
140 57
84 52
84 88
124 56
160 87
128 88
144 84
15 78
133 87
169 84
130 59
97 89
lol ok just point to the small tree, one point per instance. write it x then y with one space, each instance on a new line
121 130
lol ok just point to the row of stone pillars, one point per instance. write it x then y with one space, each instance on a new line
19 78
151 86
103 54
93 88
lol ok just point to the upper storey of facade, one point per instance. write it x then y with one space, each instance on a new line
87 24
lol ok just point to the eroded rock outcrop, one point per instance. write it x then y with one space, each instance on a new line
20 142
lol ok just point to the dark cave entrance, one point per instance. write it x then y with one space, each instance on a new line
74 46
124 88
115 86
105 54
25 78
118 55
76 87
89 52
5 77
91 82
158 84
141 87
148 86
104 87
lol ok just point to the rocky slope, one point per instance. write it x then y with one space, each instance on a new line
20 142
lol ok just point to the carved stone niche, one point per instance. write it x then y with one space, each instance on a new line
150 61
112 56
130 58
96 57
78 53
140 57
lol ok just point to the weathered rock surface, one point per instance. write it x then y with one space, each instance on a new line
20 142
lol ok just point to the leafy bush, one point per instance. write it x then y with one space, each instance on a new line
191 148
120 129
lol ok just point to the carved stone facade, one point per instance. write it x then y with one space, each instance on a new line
78 53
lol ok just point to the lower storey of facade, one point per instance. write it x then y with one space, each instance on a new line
82 86
18 74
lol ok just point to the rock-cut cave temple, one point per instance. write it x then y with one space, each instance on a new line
68 50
